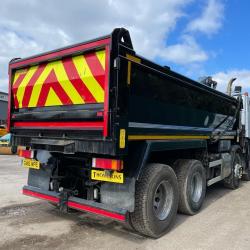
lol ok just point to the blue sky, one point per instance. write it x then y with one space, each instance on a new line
228 47
231 43
194 37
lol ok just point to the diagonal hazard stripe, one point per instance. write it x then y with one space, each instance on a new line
65 83
52 82
79 85
87 77
18 78
25 81
61 77
75 80
38 86
17 74
96 68
30 85
101 54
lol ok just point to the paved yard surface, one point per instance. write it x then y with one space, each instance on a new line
27 223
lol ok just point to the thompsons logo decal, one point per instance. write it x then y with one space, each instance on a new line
74 80
102 176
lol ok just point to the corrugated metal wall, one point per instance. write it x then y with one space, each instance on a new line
3 110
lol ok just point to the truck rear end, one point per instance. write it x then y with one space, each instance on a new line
63 109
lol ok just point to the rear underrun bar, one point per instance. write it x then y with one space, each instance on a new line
78 204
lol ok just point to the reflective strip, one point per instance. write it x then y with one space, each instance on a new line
97 211
101 57
65 83
30 85
17 83
73 80
40 195
38 86
22 86
52 99
122 140
87 77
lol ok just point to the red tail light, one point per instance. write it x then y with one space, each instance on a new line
26 153
111 164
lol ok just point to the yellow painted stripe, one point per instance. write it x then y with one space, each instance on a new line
101 57
133 58
24 83
87 77
129 73
228 137
64 81
166 137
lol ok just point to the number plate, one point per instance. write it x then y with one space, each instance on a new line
29 163
100 176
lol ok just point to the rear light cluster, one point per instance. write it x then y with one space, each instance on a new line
26 153
110 164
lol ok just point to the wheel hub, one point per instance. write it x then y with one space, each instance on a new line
196 187
163 199
238 170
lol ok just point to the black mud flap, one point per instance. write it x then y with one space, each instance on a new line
40 178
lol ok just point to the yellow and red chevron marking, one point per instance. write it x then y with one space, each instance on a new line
73 80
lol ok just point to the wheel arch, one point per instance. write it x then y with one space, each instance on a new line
165 152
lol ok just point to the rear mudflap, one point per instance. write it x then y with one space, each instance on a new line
64 201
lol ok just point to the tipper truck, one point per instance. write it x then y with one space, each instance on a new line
106 131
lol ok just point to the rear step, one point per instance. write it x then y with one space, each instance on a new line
78 204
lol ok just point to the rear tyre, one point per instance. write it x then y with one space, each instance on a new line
156 201
246 175
192 185
233 181
13 150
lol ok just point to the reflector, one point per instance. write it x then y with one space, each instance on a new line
26 153
103 163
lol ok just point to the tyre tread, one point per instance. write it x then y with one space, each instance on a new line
138 218
181 168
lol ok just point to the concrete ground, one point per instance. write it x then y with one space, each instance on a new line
27 223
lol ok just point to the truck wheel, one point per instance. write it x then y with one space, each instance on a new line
233 181
13 150
246 175
156 200
192 185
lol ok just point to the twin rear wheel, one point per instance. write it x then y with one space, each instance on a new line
161 191
192 185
